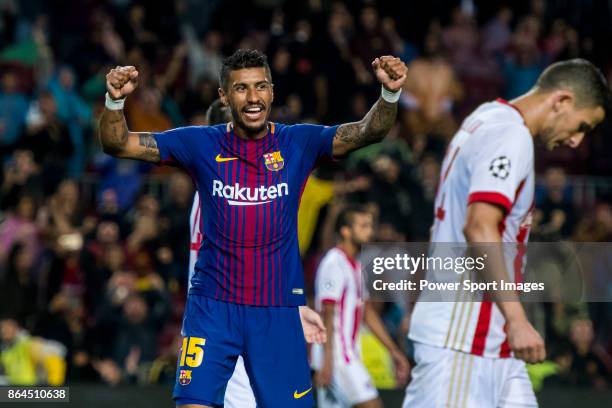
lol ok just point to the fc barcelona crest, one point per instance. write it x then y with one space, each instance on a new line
274 161
185 377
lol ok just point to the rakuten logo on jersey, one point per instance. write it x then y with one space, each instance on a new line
237 195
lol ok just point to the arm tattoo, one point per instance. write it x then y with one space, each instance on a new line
147 140
113 131
371 129
150 152
118 141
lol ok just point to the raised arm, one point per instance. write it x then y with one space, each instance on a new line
391 73
114 134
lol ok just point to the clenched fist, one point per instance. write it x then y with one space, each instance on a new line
121 81
390 72
525 341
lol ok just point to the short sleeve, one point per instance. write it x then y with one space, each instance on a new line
500 166
317 140
177 146
329 281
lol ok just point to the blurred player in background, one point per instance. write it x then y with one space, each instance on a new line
341 295
472 353
239 393
249 174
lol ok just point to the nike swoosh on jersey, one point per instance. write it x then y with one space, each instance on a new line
220 159
297 395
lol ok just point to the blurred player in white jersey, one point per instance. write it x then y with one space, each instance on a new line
341 296
472 353
239 393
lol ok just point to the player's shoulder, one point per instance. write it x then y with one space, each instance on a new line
334 256
498 122
298 129
499 113
199 130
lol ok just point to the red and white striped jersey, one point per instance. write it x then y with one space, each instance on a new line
196 235
338 281
490 159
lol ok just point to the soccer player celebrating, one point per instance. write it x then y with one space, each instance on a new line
473 353
239 393
340 293
248 280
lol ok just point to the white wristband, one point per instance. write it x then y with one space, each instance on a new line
391 97
113 104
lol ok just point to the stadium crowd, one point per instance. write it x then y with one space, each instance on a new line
93 250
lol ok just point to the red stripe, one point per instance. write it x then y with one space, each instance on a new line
328 301
349 258
491 197
196 230
356 324
504 351
450 164
482 328
342 339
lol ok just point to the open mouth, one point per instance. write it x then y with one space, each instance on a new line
254 113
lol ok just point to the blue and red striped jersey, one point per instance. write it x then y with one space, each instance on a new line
250 193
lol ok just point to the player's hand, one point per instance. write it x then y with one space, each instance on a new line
314 329
121 81
323 376
402 367
525 341
390 72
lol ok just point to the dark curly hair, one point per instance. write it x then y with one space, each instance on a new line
243 58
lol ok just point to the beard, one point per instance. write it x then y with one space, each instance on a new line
546 138
250 129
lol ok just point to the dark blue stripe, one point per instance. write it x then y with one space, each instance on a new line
243 171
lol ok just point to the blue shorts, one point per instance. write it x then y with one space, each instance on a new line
270 339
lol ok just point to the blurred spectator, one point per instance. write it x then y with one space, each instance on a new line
135 321
13 108
205 57
28 360
120 180
144 112
596 226
369 43
582 364
73 111
46 135
21 176
497 32
555 215
18 284
461 37
175 234
20 227
525 62
430 91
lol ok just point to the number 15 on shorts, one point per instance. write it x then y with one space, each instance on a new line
192 351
